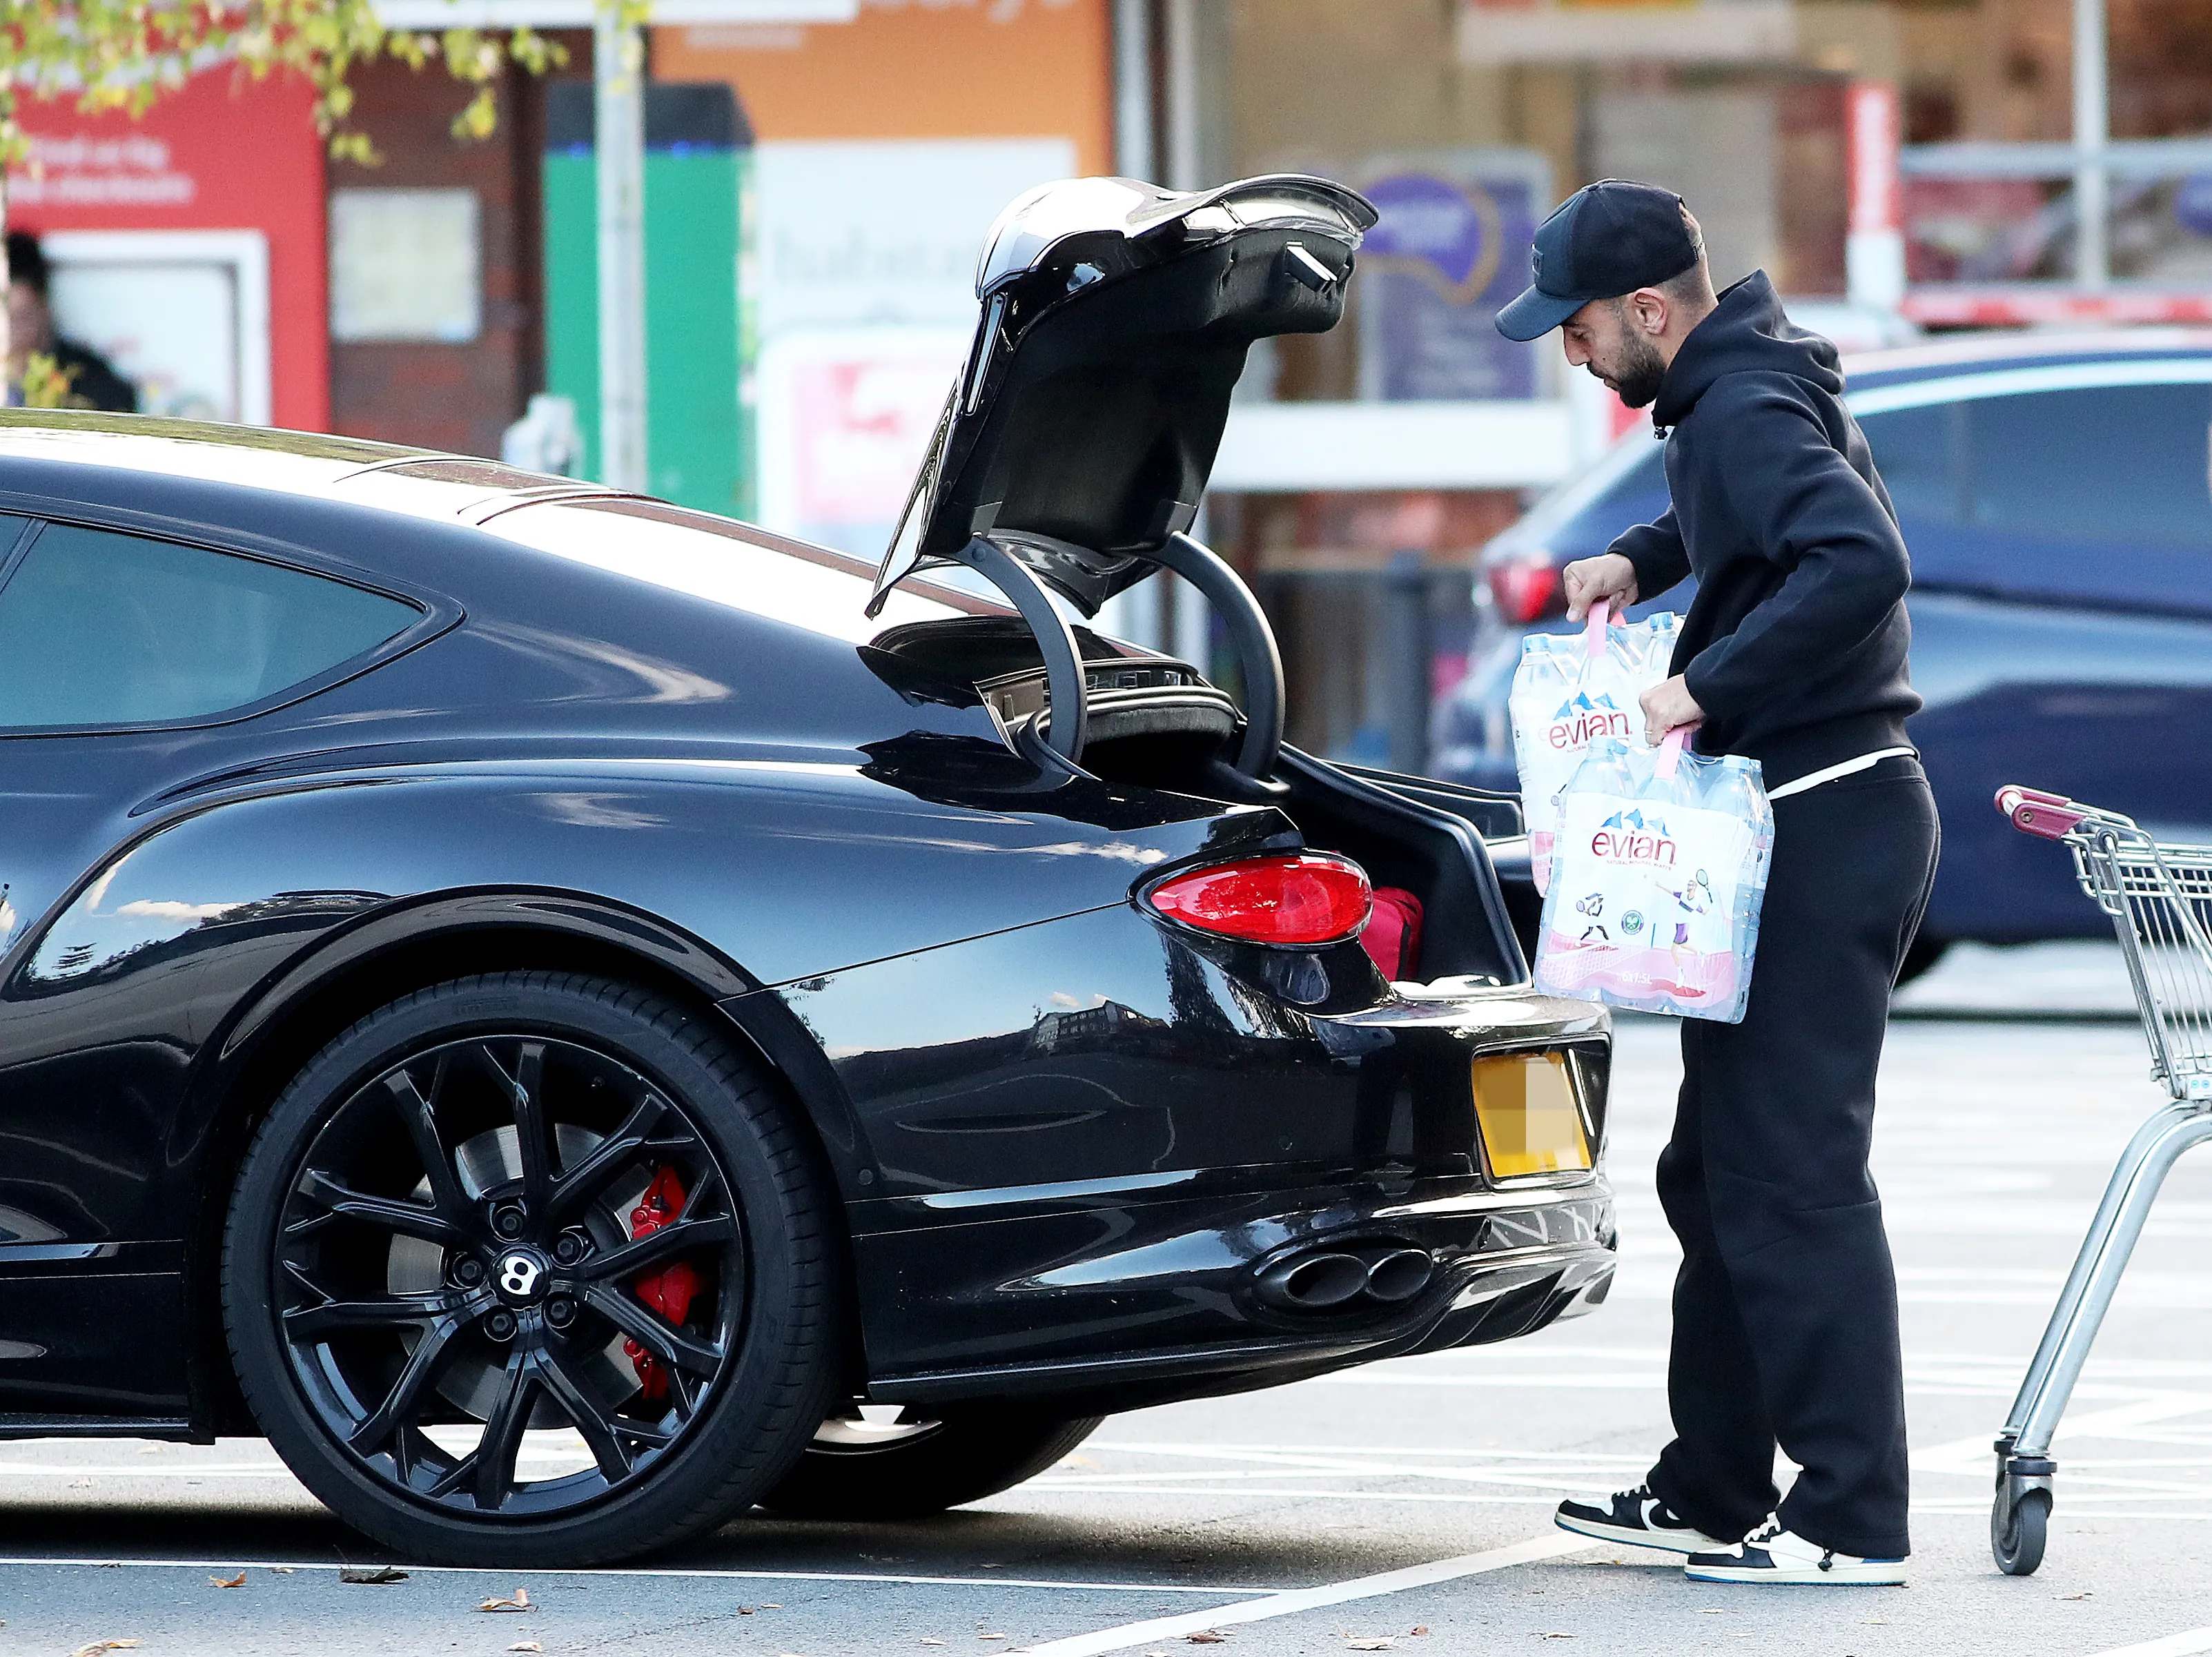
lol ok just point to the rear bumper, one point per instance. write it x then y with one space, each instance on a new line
1123 1291
1104 1331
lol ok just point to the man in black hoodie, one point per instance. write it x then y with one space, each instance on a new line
1793 654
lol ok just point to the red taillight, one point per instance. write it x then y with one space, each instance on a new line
1302 898
1526 589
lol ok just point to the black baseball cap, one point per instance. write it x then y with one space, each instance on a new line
1607 239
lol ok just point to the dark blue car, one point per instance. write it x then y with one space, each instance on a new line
2057 496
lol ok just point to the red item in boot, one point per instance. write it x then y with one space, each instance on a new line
1393 936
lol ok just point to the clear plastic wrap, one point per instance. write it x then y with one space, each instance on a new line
1658 872
1572 689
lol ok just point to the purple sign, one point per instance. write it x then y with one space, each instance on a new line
2192 204
1452 246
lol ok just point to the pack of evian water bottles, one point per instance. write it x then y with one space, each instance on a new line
1574 690
1655 865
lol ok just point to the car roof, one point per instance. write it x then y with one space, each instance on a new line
419 482
1938 358
520 509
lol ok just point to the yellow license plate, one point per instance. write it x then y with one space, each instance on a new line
1524 1103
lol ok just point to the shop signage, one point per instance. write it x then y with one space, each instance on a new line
1452 247
200 278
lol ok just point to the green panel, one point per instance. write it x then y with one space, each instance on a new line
571 291
748 336
695 439
699 393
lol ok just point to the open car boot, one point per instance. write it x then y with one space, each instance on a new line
1068 465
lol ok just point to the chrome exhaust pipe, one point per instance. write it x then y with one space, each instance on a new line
1398 1274
1325 1279
1313 1283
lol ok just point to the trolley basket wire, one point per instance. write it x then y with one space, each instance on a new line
2159 898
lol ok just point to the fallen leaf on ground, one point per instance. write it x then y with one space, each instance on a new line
526 1645
98 1646
2073 1596
990 1637
283 1570
80 1484
932 1642
1378 1642
237 1582
1555 1636
374 1576
1206 1637
770 1605
1418 1628
519 1601
745 1610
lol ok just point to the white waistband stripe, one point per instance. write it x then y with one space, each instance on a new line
1848 768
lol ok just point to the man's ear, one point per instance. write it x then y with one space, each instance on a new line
1649 306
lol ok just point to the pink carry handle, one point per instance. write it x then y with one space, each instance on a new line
2047 816
1670 751
1594 634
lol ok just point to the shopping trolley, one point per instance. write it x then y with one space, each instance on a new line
2160 899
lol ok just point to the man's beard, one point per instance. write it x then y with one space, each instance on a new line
1641 373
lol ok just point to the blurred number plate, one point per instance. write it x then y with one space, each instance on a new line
1525 1102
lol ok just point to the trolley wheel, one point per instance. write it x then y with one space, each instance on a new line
2017 1531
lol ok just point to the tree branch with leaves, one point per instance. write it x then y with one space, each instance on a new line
126 55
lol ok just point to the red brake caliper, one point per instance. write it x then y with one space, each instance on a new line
667 1292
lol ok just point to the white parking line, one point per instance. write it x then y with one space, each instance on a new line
675 1571
1293 1600
2174 1645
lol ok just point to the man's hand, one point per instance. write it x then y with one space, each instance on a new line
1666 705
1608 576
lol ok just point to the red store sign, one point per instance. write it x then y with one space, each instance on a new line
189 246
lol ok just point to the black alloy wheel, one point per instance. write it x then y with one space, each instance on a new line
867 1463
530 1269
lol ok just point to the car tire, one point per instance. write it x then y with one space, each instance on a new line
337 1274
941 1460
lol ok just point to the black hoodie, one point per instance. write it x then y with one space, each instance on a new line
1795 644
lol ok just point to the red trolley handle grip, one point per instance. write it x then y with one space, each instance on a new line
2047 816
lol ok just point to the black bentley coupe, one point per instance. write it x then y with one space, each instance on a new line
575 1017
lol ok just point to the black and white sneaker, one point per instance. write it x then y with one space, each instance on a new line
1771 1554
1638 1517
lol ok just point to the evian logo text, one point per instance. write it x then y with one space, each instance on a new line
1581 721
1630 837
1585 729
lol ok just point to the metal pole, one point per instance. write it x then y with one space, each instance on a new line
1185 618
1407 636
1185 166
618 144
2092 131
1133 88
1136 615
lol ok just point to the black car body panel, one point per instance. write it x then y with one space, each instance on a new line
883 895
1074 1144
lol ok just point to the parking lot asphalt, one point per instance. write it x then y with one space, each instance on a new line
1406 1502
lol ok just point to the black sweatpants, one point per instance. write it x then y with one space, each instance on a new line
1785 1311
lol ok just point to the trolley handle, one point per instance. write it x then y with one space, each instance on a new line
2047 816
